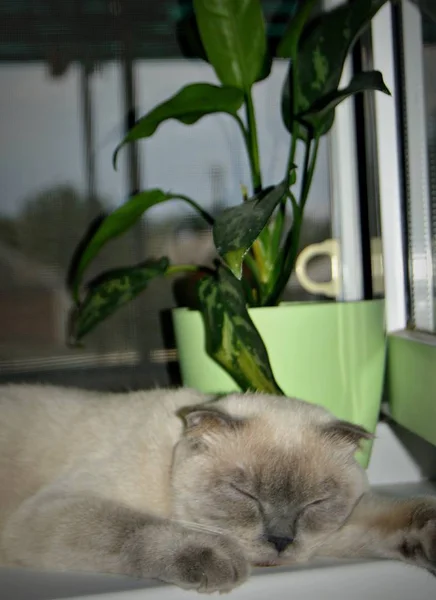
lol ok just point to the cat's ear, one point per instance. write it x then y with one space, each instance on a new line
203 419
344 431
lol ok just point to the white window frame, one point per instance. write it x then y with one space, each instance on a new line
346 224
390 181
392 202
344 190
411 345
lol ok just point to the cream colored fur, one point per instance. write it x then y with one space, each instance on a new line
125 483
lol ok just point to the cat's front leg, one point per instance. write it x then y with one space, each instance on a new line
54 531
191 559
418 541
388 528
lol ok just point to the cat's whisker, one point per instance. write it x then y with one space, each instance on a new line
200 527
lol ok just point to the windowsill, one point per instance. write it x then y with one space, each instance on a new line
389 579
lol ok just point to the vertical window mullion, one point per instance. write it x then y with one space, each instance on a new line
390 179
345 190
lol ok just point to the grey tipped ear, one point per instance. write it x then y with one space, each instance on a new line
344 431
205 418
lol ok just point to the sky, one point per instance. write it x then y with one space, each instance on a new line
41 137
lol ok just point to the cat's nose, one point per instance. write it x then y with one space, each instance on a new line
280 543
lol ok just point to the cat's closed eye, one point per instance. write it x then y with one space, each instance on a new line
243 492
315 503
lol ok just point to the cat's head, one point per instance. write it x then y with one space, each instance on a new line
278 474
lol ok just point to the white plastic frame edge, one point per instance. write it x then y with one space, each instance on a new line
344 191
390 181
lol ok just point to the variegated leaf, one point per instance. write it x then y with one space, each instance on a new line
121 220
237 228
109 292
321 112
322 51
232 340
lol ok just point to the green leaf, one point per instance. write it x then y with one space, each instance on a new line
119 221
285 262
277 231
320 113
237 228
232 340
188 106
323 49
233 35
303 132
109 292
191 46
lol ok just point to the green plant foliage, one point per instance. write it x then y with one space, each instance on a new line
232 338
234 37
236 229
257 240
120 221
188 106
323 48
109 292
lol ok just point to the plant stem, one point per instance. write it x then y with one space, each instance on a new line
252 265
244 132
281 219
206 216
260 248
309 170
291 245
293 150
306 168
293 96
289 255
252 146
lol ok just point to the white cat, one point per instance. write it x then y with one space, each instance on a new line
188 489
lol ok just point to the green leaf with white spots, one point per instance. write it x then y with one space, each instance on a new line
323 49
109 292
304 130
237 228
232 339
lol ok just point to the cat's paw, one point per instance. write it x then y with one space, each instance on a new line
419 543
213 564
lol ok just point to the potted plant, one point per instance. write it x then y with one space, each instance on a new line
255 241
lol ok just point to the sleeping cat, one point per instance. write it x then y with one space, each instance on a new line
188 489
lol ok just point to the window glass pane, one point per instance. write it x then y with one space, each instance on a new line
53 185
65 71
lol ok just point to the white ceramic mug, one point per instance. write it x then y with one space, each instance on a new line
332 249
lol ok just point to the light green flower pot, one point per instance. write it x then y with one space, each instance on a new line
329 353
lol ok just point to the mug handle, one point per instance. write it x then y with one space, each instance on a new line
331 288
